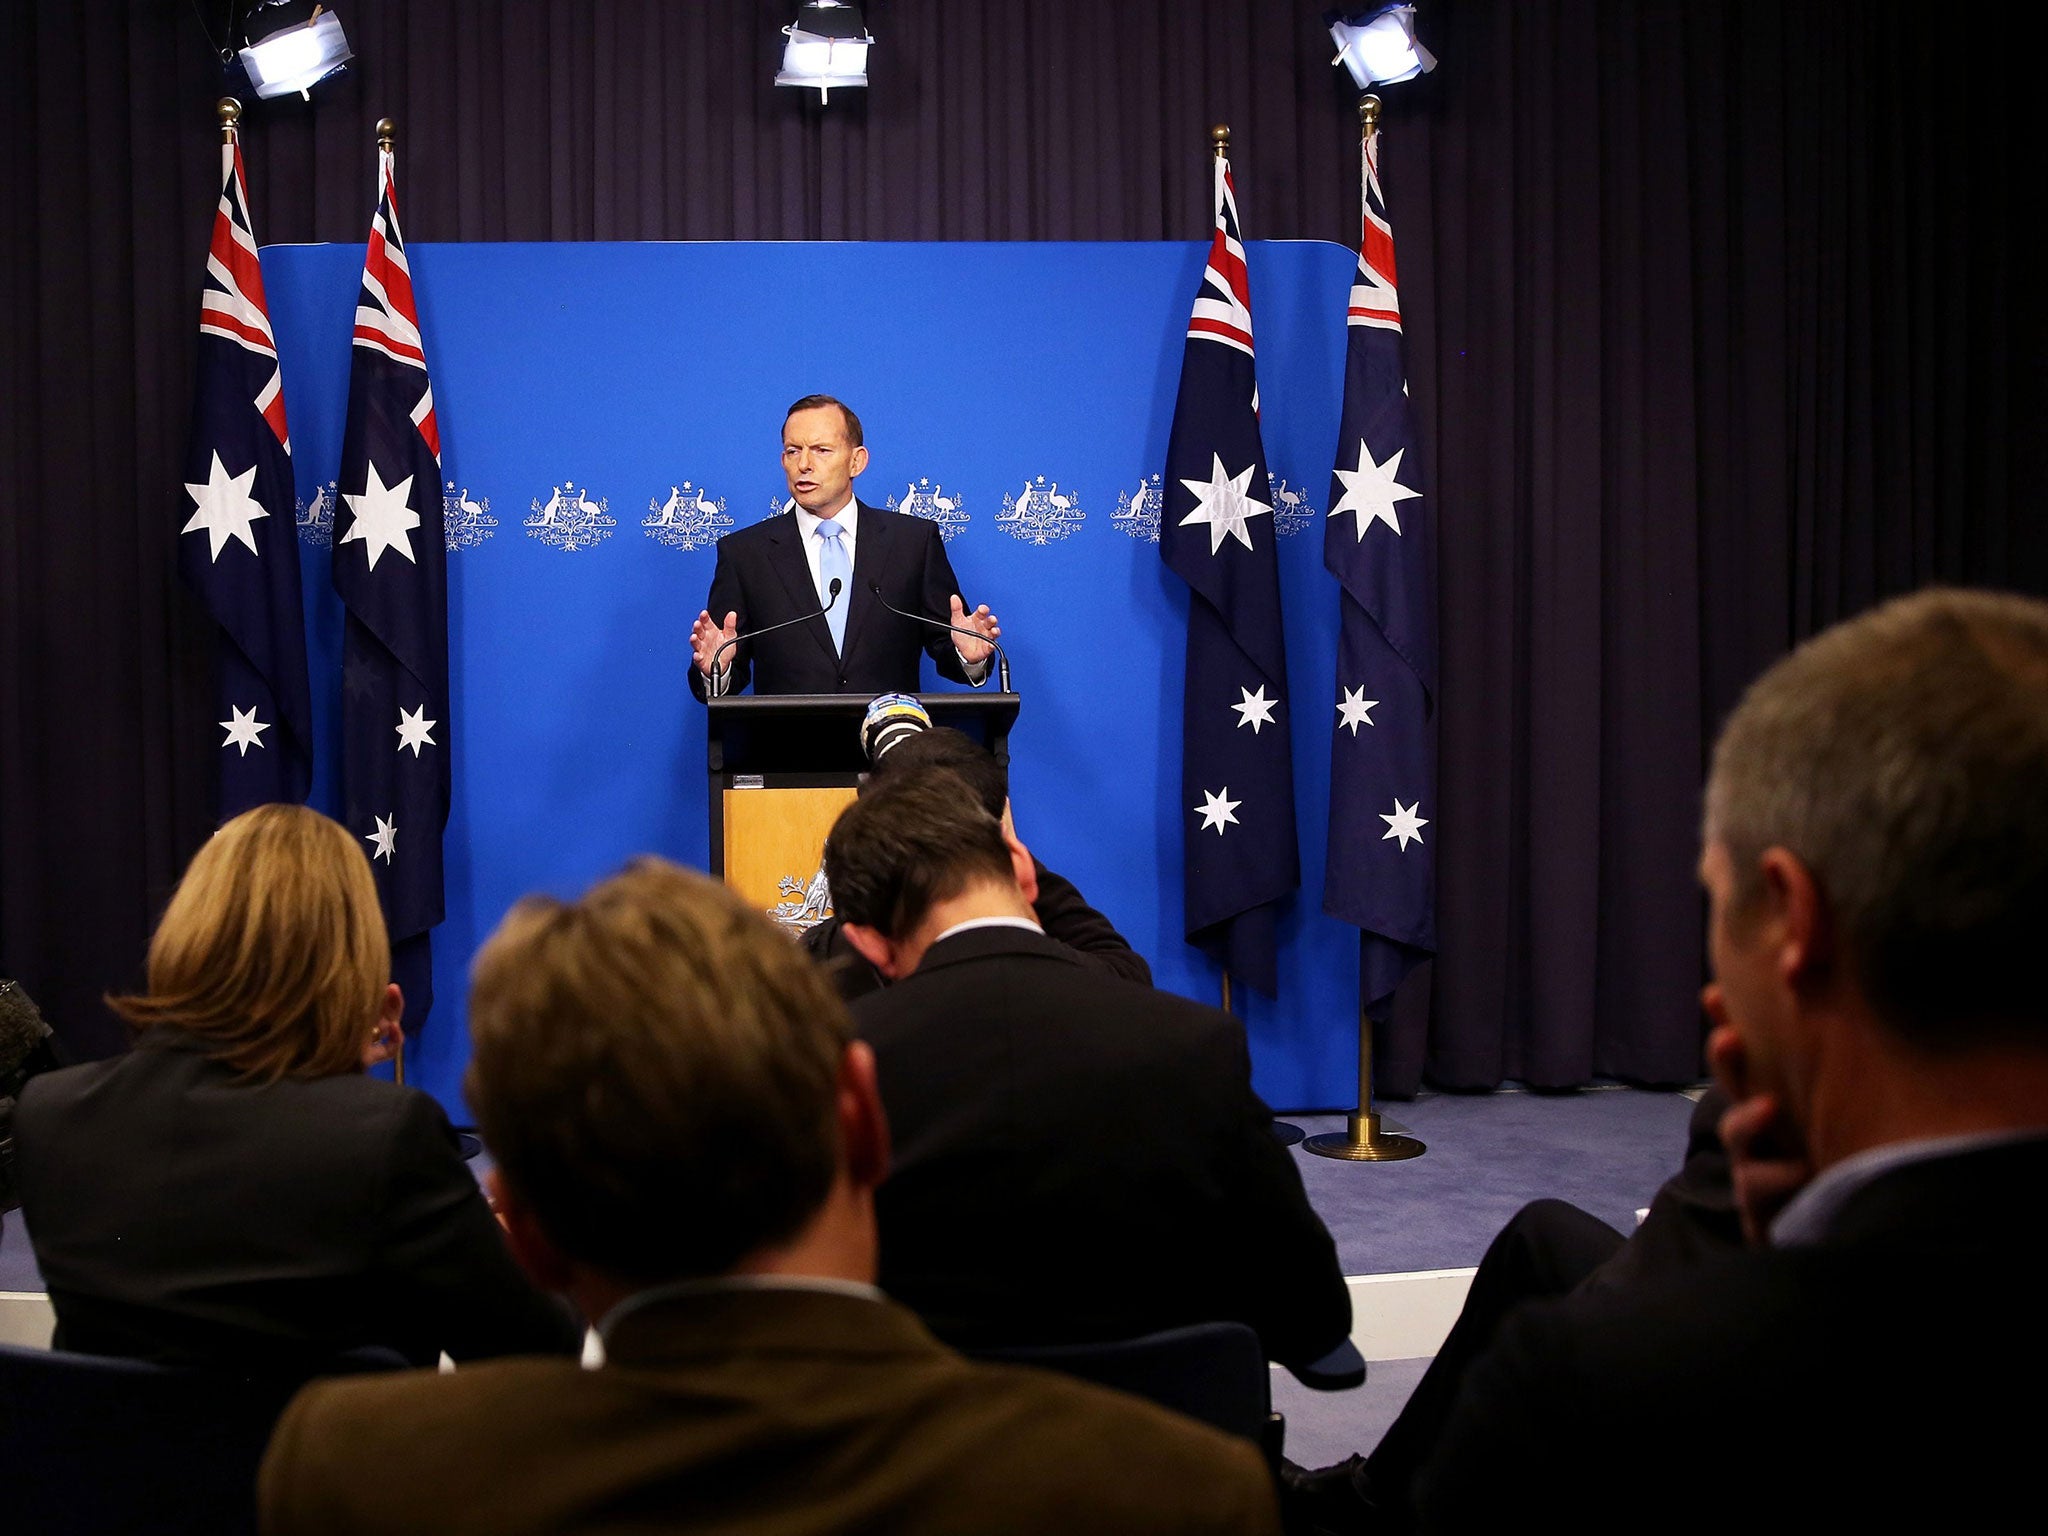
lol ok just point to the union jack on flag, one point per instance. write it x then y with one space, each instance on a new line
1217 534
391 569
1378 541
238 545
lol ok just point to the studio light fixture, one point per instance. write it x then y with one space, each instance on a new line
1378 47
827 48
297 58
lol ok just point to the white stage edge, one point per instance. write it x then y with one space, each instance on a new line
1393 1317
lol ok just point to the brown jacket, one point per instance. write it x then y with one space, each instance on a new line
758 1411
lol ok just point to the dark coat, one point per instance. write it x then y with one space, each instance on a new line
1080 1157
181 1216
758 1412
763 576
1062 912
1881 1379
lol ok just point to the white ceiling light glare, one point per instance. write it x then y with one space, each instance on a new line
827 49
297 58
1379 47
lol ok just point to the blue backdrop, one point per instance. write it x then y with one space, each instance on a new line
646 384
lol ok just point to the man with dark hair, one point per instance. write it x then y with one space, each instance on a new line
785 569
1876 864
1058 908
1079 1157
688 1143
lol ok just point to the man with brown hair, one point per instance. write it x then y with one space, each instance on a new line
1078 1157
688 1145
1876 864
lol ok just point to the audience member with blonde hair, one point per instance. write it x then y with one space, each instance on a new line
235 1191
688 1143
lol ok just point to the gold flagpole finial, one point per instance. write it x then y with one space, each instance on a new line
1219 137
229 111
387 130
1368 115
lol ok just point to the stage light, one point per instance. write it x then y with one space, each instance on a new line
827 48
1379 47
297 58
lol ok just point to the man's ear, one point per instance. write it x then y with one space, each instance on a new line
858 461
545 1264
1022 865
1792 905
875 947
863 1125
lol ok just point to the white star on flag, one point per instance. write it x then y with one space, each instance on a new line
1404 823
385 839
382 517
1372 489
1256 710
1224 502
225 509
413 729
1216 810
245 730
1354 710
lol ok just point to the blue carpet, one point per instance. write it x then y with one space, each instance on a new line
1606 1150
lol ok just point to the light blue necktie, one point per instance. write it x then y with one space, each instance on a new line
832 562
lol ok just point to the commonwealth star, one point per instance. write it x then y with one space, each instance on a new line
382 517
225 509
1371 490
1224 501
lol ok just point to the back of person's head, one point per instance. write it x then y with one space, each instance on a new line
655 1069
1902 757
272 951
912 841
955 752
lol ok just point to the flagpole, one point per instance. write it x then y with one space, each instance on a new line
387 131
1364 1140
1284 1133
229 111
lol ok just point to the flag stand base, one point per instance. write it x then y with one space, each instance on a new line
1368 1139
1364 1142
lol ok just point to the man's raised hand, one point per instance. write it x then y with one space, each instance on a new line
706 637
983 623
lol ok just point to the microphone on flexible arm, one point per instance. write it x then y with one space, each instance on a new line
1002 656
831 597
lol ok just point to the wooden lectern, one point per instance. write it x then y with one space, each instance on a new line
784 766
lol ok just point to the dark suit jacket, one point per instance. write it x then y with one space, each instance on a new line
181 1216
763 576
1062 912
1080 1157
756 1412
1865 1383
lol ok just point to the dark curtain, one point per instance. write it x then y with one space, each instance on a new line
1715 335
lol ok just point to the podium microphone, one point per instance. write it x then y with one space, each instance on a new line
831 597
1002 657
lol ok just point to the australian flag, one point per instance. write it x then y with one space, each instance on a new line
1216 533
239 544
1377 542
391 569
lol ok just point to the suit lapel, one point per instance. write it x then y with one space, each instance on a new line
870 559
786 555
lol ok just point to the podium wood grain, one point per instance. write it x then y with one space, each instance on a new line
775 833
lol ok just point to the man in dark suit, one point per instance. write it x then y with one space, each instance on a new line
1078 1157
781 570
688 1144
1876 865
1058 907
